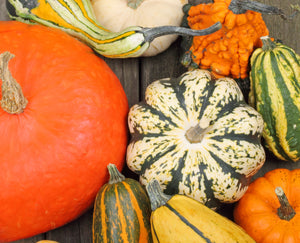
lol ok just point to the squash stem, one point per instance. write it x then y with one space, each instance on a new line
156 195
13 100
152 33
114 174
195 134
285 211
241 6
134 4
268 44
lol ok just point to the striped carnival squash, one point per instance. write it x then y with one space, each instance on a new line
121 211
275 93
189 220
196 136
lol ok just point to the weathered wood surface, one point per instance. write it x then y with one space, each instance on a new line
135 74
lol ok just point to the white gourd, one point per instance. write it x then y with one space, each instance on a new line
116 15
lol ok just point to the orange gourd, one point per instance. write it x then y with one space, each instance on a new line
270 209
72 122
226 52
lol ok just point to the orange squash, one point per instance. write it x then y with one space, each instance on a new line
270 209
72 123
226 52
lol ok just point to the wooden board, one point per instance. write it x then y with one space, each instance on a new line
136 73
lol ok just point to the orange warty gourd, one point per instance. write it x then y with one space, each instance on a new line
71 124
226 52
270 209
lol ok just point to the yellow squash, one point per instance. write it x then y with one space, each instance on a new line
179 218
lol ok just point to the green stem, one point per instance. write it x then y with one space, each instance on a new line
152 33
134 4
13 100
268 44
285 211
156 195
241 6
114 174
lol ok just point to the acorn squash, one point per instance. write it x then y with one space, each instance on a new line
197 137
121 211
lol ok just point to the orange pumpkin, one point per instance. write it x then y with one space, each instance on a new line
270 209
226 52
54 151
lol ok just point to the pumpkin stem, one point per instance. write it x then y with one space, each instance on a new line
268 44
241 6
195 134
13 100
152 33
114 174
134 4
285 211
156 195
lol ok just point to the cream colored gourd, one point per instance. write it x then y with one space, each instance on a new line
116 15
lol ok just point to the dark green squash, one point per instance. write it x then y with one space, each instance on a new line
275 93
121 211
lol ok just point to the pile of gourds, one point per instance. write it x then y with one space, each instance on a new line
195 141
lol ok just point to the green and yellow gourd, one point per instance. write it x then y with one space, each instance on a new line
121 211
76 17
181 219
275 93
197 137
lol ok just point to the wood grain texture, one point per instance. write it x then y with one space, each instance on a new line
136 73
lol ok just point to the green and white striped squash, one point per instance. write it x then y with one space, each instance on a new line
197 137
275 93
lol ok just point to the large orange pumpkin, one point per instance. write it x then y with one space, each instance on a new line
270 209
54 154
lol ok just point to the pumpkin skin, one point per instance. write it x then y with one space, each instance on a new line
189 220
121 211
256 212
53 156
219 166
274 93
116 15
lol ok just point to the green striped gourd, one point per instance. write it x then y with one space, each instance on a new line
181 219
76 17
121 211
275 93
197 137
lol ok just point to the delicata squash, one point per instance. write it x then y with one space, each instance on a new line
189 221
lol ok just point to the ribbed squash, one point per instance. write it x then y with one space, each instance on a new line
197 137
121 211
182 219
275 93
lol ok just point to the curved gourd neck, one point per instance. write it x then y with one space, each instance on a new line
77 18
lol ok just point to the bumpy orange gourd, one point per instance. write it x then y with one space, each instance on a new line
53 155
225 52
269 218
